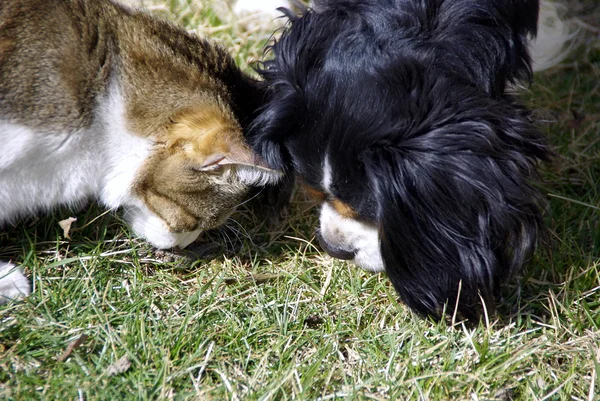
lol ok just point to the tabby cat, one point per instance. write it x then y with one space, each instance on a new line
98 100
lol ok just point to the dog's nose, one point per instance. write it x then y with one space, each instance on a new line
333 251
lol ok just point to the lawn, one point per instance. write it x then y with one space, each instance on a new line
270 317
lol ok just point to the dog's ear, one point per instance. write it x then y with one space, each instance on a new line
268 132
267 135
457 216
487 43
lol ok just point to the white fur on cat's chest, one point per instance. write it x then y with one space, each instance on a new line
39 170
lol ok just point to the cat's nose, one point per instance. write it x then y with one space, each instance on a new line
336 252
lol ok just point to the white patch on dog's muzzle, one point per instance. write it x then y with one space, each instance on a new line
352 236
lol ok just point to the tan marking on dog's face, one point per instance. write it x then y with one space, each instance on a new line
344 209
315 194
189 181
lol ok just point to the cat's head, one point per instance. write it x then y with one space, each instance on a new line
196 173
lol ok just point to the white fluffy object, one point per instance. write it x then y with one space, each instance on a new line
555 39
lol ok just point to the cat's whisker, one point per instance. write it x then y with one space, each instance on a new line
225 237
245 233
237 238
236 233
249 199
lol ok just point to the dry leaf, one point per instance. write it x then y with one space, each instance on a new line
66 226
71 347
120 366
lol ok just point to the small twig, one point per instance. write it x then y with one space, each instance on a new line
72 346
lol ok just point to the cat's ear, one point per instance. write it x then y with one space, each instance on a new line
250 169
237 154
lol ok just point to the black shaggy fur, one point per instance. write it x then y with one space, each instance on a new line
407 98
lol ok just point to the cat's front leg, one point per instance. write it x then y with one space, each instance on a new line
13 284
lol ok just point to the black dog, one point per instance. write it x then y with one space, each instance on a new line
395 113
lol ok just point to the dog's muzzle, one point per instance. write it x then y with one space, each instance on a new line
338 253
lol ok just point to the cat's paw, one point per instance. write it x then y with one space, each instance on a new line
13 284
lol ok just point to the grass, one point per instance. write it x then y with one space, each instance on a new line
272 318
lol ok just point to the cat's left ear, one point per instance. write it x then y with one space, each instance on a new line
251 169
239 155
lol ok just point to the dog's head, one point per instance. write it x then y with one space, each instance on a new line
394 115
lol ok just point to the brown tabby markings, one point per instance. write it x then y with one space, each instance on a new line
101 101
180 91
195 141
